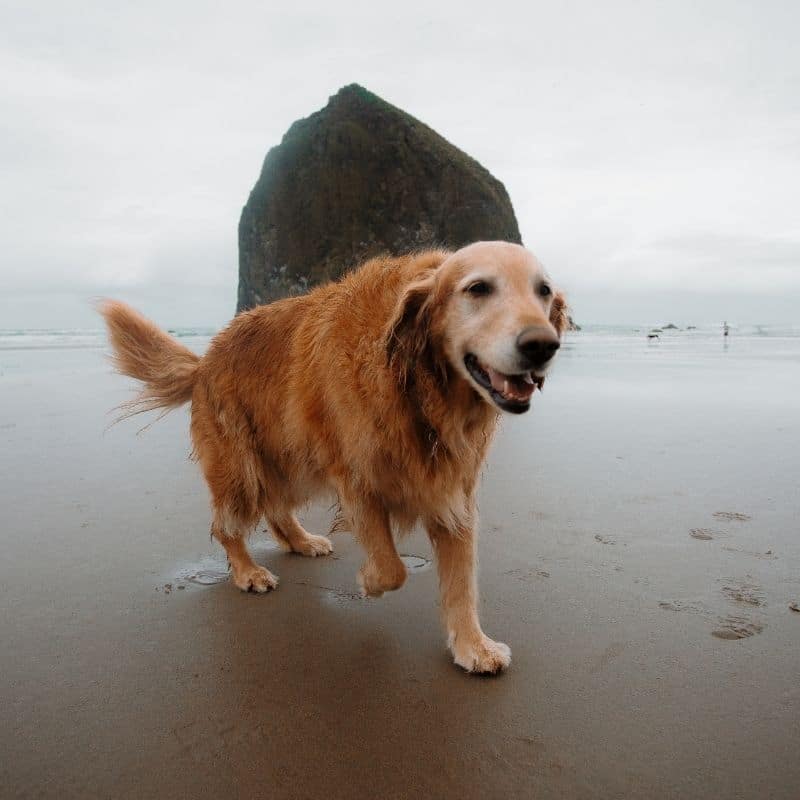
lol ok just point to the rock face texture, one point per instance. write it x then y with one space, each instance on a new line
356 179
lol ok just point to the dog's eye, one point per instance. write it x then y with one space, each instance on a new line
479 289
545 290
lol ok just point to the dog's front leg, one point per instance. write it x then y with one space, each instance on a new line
383 571
456 561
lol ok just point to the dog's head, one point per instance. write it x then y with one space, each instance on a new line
492 312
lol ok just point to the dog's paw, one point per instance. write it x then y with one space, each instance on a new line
374 581
481 656
314 545
255 579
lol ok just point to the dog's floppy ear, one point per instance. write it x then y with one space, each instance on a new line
559 313
408 332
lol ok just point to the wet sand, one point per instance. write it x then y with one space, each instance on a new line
639 553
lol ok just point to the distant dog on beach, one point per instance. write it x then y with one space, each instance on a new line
384 387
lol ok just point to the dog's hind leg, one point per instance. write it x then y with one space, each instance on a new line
226 447
246 574
291 535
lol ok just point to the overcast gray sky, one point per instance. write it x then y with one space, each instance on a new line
651 150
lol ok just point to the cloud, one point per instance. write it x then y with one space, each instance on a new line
714 262
654 146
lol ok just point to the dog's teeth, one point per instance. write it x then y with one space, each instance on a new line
506 388
528 378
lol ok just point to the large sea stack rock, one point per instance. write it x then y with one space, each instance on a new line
356 179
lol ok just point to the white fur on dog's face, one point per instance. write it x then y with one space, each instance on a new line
496 291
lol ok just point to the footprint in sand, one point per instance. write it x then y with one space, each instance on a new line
731 516
603 539
527 574
705 534
733 628
689 606
742 591
767 554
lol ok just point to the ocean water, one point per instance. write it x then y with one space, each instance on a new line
602 351
77 338
620 339
702 345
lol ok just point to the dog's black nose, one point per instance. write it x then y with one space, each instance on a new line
538 344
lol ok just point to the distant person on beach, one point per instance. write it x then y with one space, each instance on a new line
725 329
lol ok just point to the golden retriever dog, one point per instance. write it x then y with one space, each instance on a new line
385 388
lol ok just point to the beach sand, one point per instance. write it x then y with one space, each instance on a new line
639 548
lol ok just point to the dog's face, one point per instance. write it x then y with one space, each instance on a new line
497 317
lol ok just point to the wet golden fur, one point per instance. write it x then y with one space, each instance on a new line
349 388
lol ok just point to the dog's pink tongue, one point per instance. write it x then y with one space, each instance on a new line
497 378
512 388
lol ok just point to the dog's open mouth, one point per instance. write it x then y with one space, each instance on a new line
510 392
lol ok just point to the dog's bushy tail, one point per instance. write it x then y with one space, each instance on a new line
143 351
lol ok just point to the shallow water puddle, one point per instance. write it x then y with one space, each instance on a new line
415 563
211 570
208 572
